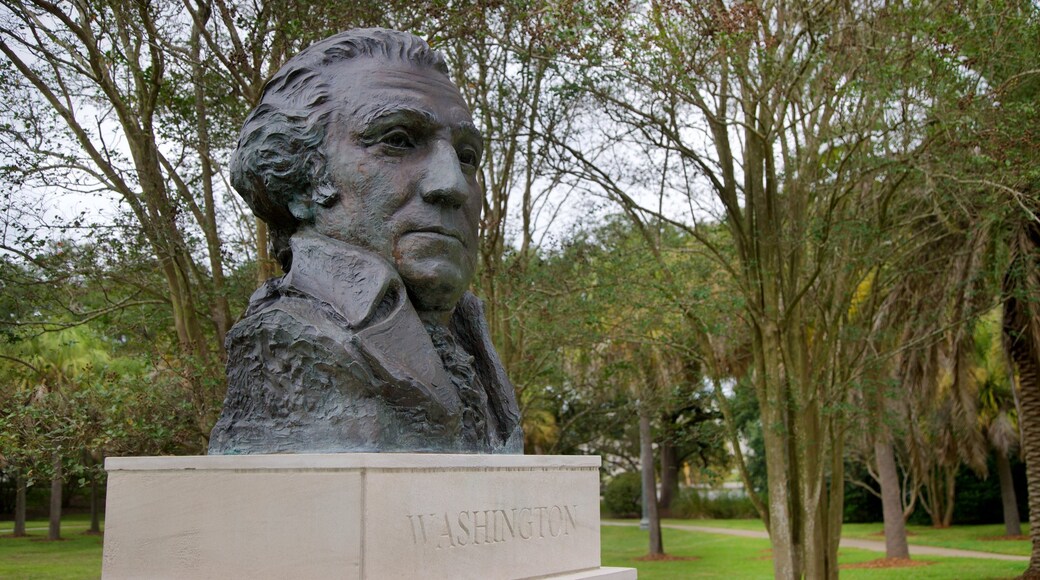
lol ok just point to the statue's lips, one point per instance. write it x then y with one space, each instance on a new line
438 232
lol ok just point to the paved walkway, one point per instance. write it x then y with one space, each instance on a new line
872 545
64 527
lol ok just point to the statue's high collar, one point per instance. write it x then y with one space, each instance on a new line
358 284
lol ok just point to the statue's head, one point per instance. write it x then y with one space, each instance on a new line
363 138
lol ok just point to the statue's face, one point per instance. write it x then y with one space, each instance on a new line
403 155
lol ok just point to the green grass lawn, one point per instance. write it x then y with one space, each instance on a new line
985 538
728 524
707 555
715 556
75 557
979 538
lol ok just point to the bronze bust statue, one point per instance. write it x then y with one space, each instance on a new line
362 158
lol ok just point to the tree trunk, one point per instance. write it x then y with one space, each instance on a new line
221 312
95 505
54 529
19 504
939 493
951 497
1022 343
1012 524
1029 418
891 502
780 476
649 484
669 476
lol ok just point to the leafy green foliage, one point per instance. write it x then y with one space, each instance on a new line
706 504
622 496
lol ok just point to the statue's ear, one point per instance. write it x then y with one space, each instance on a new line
321 193
302 208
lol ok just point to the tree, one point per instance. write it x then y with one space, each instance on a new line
66 58
140 103
45 423
1022 341
874 445
803 155
643 349
115 54
992 153
997 417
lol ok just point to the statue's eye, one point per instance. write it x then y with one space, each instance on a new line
468 156
398 139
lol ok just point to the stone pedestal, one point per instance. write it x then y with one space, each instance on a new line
354 516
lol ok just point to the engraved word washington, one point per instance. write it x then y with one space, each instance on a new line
474 528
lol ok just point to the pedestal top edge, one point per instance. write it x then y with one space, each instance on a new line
348 461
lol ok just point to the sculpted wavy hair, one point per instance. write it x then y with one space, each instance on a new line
279 164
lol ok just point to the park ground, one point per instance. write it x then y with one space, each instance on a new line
691 554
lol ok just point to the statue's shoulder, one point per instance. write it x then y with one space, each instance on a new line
280 320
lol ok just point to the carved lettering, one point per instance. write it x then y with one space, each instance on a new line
448 530
529 521
479 526
508 524
463 538
570 517
422 528
559 528
493 525
446 533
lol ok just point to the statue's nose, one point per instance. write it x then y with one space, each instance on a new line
443 182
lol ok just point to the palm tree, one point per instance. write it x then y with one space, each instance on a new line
1022 343
997 418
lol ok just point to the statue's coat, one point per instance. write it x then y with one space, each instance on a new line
333 357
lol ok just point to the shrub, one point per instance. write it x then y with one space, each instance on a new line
622 497
693 503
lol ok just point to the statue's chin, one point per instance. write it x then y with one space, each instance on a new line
436 269
432 293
